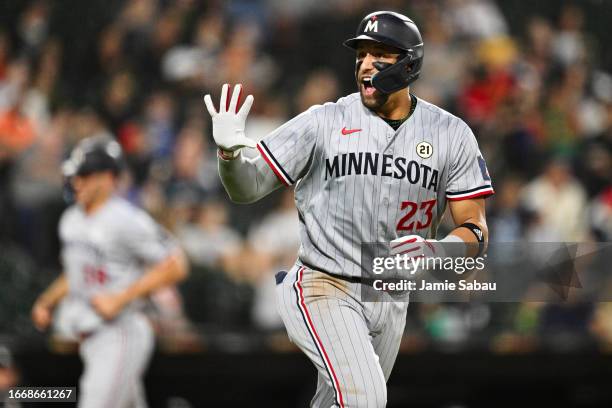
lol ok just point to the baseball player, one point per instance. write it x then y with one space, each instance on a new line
113 255
379 165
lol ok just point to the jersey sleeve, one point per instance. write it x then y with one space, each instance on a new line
288 149
146 240
468 175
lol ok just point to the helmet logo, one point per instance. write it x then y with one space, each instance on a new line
371 25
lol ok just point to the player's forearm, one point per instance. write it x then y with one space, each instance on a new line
54 293
247 180
471 231
171 270
469 238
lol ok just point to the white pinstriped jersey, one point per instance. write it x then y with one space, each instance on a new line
357 180
104 252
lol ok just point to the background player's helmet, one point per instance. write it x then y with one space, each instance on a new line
399 31
92 155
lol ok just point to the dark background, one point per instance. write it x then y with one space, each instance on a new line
532 79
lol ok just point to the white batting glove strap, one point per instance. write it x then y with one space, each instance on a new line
415 245
410 247
228 122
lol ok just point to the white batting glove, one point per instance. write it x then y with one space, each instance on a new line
416 246
228 123
410 248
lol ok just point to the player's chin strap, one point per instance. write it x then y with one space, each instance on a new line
393 77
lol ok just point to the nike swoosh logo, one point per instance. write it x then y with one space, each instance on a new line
346 131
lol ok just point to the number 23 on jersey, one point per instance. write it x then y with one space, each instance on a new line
411 221
94 275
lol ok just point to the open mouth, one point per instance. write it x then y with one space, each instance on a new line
368 88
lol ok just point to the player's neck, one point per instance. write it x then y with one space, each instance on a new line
397 107
93 206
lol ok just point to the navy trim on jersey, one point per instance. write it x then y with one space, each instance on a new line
275 164
448 193
485 190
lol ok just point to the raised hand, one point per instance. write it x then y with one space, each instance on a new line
228 122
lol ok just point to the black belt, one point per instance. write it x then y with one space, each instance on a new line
351 279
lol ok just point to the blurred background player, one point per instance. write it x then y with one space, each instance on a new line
114 255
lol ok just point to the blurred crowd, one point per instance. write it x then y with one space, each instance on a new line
536 92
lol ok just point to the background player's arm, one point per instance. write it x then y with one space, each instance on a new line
469 211
168 271
43 307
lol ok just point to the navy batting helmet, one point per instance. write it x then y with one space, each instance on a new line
397 30
92 155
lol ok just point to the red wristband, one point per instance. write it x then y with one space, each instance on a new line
224 155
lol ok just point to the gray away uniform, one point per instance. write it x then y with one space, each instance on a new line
104 253
356 180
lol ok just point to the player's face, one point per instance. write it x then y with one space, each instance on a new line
90 188
369 52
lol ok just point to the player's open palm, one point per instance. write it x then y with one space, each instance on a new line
108 305
228 122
